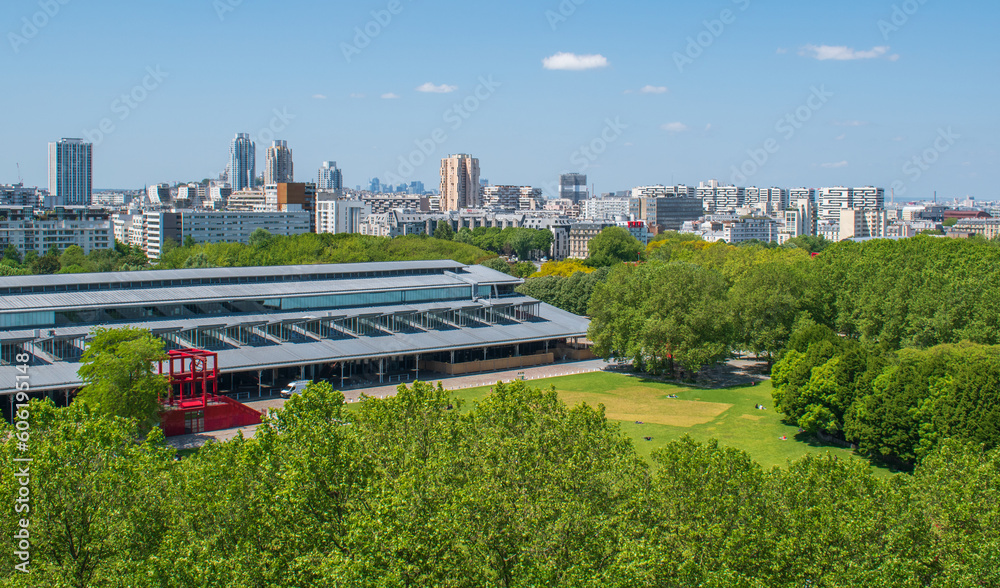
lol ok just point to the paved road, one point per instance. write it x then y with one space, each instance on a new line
354 395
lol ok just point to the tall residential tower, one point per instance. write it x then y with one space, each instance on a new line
278 167
330 177
459 182
242 167
71 179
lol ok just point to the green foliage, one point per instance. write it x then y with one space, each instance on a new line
661 314
571 293
118 376
498 264
525 243
808 243
444 231
516 490
612 246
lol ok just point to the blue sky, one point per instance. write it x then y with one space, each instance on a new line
924 87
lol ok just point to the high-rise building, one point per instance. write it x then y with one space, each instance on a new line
375 185
573 187
242 162
71 179
831 200
330 177
278 168
460 186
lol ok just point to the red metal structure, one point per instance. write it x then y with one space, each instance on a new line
194 404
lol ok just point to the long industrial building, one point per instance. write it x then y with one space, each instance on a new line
351 324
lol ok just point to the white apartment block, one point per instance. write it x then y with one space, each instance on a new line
340 216
750 229
716 197
798 220
862 223
219 227
769 200
604 208
189 193
158 194
829 201
46 230
658 191
511 197
18 195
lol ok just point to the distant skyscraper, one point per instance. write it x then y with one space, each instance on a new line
278 169
416 188
573 187
242 162
375 186
330 178
71 172
460 186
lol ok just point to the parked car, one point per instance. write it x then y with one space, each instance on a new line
295 388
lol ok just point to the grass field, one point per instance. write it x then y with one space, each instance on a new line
727 415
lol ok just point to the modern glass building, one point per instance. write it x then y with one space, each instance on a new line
71 174
330 177
351 324
242 167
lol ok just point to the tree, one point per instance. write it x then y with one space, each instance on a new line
189 241
46 264
118 376
11 253
259 238
613 245
444 231
661 316
765 303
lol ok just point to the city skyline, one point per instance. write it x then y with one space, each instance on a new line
778 94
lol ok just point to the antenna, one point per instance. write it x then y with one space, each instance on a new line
19 180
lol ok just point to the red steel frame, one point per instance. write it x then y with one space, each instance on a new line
194 378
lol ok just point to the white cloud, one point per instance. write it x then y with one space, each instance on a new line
319 97
357 95
841 137
390 96
574 62
843 53
708 127
851 123
654 90
835 165
674 127
781 51
431 88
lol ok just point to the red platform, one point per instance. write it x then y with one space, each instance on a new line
194 405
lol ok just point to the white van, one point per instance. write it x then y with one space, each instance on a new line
295 388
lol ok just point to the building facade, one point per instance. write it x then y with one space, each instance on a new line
219 227
71 172
573 187
340 216
460 182
330 177
278 166
28 229
242 169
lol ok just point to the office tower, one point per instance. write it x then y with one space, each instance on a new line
375 185
242 162
330 177
416 188
460 186
573 187
71 180
278 167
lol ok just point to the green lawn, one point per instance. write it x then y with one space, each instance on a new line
727 415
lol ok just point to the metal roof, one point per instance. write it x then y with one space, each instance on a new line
228 292
555 324
222 272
